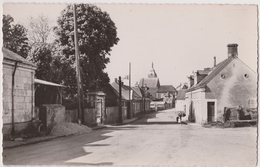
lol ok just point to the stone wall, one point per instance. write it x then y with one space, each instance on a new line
89 116
23 94
51 115
111 115
23 97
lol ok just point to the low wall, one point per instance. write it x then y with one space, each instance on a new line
89 116
51 114
111 115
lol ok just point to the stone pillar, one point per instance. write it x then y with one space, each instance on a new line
98 99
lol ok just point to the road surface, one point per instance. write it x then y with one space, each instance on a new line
156 139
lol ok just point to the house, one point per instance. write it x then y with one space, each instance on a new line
156 91
133 98
182 86
227 84
180 100
167 93
18 93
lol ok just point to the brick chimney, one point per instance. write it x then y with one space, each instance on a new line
232 50
116 80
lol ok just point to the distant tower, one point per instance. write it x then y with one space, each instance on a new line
152 73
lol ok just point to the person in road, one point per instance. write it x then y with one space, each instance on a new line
241 114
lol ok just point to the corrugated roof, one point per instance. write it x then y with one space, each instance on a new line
166 88
7 54
149 82
39 81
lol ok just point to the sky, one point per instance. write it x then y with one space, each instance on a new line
176 38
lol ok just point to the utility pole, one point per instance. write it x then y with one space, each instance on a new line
78 76
120 105
129 111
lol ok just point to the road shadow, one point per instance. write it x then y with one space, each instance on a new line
147 119
156 123
91 164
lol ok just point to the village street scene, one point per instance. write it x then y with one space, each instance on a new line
129 84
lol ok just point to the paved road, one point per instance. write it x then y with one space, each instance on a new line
153 140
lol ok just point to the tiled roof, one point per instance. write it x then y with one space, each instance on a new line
166 88
181 94
214 71
149 82
7 54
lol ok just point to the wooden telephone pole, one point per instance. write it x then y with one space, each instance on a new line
120 120
79 90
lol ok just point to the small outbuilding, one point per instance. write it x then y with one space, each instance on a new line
18 92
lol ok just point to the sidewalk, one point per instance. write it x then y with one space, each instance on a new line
11 144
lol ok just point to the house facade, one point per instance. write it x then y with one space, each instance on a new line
228 84
18 92
167 93
180 104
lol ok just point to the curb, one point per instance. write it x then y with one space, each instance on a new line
31 142
99 127
45 139
127 122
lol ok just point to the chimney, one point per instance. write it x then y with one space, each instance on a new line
191 80
232 50
215 61
116 80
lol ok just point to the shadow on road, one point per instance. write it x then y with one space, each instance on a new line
94 164
154 122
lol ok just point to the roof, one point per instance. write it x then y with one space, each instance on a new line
39 81
149 82
203 72
124 90
137 90
214 72
7 54
181 94
166 88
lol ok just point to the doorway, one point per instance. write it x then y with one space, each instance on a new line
211 111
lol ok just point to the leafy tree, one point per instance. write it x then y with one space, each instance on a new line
97 35
15 36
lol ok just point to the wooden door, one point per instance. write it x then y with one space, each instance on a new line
211 111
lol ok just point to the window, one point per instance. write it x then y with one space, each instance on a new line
246 75
223 76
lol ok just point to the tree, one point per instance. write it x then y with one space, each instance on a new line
97 35
39 30
15 36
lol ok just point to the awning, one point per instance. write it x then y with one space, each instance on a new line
39 81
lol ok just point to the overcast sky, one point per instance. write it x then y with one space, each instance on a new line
178 39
